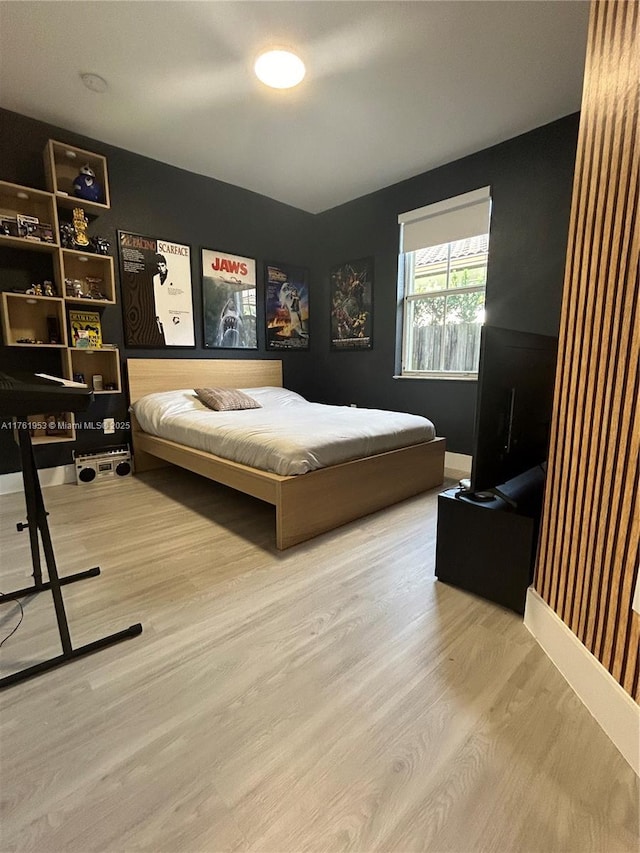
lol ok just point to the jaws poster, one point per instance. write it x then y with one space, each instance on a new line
229 300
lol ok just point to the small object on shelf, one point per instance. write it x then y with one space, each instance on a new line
80 225
100 245
34 290
67 235
110 386
9 226
28 341
27 226
93 285
86 329
79 377
49 289
86 186
44 232
53 329
56 424
96 381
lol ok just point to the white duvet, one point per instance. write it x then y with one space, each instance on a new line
288 435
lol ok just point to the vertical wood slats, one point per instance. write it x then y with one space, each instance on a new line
590 538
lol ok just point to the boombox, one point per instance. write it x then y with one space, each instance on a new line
103 465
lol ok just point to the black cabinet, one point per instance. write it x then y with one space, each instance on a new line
486 548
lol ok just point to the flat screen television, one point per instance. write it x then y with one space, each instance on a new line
513 406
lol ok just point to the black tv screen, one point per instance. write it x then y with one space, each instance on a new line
514 405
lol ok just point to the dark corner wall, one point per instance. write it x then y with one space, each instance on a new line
530 178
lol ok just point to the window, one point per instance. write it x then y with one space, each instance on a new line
443 286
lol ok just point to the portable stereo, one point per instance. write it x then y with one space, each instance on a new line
110 463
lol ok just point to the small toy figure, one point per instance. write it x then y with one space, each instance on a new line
80 225
48 289
67 235
100 245
85 185
35 290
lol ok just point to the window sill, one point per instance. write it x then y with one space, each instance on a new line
456 377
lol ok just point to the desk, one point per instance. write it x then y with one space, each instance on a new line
485 548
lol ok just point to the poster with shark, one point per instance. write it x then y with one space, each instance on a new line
229 300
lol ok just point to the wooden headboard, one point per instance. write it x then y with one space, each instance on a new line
149 375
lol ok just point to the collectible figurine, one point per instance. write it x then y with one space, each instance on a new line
93 285
80 225
48 289
85 185
100 245
67 235
35 290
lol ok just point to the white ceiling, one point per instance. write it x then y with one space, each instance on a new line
393 88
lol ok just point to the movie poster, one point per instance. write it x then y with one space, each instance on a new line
157 298
286 307
229 301
351 294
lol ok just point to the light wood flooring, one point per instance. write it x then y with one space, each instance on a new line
331 697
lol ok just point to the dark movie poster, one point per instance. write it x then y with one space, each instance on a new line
286 307
351 293
229 300
157 299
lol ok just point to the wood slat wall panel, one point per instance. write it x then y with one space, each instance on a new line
590 537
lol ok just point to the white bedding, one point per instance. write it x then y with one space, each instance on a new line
288 435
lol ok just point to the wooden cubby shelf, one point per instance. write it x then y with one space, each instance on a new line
18 201
104 362
33 318
62 163
78 266
63 424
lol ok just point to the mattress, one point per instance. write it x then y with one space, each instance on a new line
288 435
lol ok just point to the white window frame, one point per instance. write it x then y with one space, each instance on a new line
458 218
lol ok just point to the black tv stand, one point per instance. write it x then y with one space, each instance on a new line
485 547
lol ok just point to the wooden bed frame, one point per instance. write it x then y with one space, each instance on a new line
307 504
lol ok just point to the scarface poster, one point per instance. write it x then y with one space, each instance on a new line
157 299
351 293
229 297
287 307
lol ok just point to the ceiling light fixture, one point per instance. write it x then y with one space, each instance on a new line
94 82
279 69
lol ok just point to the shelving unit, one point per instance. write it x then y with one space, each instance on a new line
31 320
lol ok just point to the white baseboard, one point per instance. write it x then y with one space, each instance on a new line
608 702
457 465
10 483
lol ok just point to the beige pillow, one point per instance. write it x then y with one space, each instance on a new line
226 399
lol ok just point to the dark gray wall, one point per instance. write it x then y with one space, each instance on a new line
158 200
530 178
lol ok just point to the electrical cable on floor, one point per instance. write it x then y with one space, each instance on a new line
11 633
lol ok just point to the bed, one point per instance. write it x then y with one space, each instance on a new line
307 504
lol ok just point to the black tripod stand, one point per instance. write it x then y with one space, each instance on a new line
37 525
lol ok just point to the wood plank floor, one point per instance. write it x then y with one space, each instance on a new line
331 697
